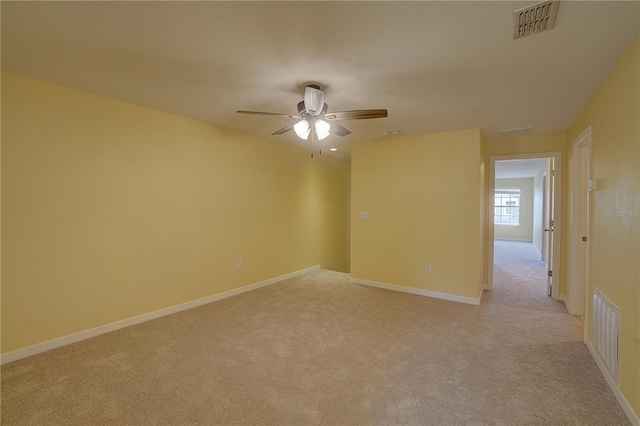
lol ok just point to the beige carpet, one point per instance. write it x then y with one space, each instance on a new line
318 349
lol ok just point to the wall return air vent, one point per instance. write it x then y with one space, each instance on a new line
535 19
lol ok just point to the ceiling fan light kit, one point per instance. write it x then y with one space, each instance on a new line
313 115
302 129
323 129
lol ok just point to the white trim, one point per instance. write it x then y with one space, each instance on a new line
584 139
106 328
573 248
626 407
421 292
566 303
514 239
538 251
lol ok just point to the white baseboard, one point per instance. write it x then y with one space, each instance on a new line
421 292
626 407
514 239
566 302
106 328
537 251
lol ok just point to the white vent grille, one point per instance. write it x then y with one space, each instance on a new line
605 331
534 19
510 133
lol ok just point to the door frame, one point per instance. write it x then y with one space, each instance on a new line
557 212
544 255
549 213
579 182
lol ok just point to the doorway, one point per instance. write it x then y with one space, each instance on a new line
538 225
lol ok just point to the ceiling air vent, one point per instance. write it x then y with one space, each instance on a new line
510 133
535 19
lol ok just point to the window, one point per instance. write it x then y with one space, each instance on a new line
507 207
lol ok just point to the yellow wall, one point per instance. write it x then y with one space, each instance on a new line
112 210
423 196
531 144
614 115
331 194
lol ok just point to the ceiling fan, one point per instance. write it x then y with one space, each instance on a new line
313 115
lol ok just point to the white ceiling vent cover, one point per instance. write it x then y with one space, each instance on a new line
534 19
511 133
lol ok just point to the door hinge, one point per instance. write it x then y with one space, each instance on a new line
553 172
550 273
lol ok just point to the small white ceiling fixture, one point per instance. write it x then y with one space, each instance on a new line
510 133
535 19
391 134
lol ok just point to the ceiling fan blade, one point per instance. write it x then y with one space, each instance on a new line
285 129
269 113
359 114
337 129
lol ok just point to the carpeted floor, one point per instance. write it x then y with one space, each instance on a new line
319 350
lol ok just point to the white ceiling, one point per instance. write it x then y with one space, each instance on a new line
436 66
515 169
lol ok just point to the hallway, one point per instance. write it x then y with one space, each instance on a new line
517 267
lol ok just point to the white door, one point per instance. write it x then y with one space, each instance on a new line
548 230
578 245
545 218
578 290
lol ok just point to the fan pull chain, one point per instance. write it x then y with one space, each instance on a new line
313 142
